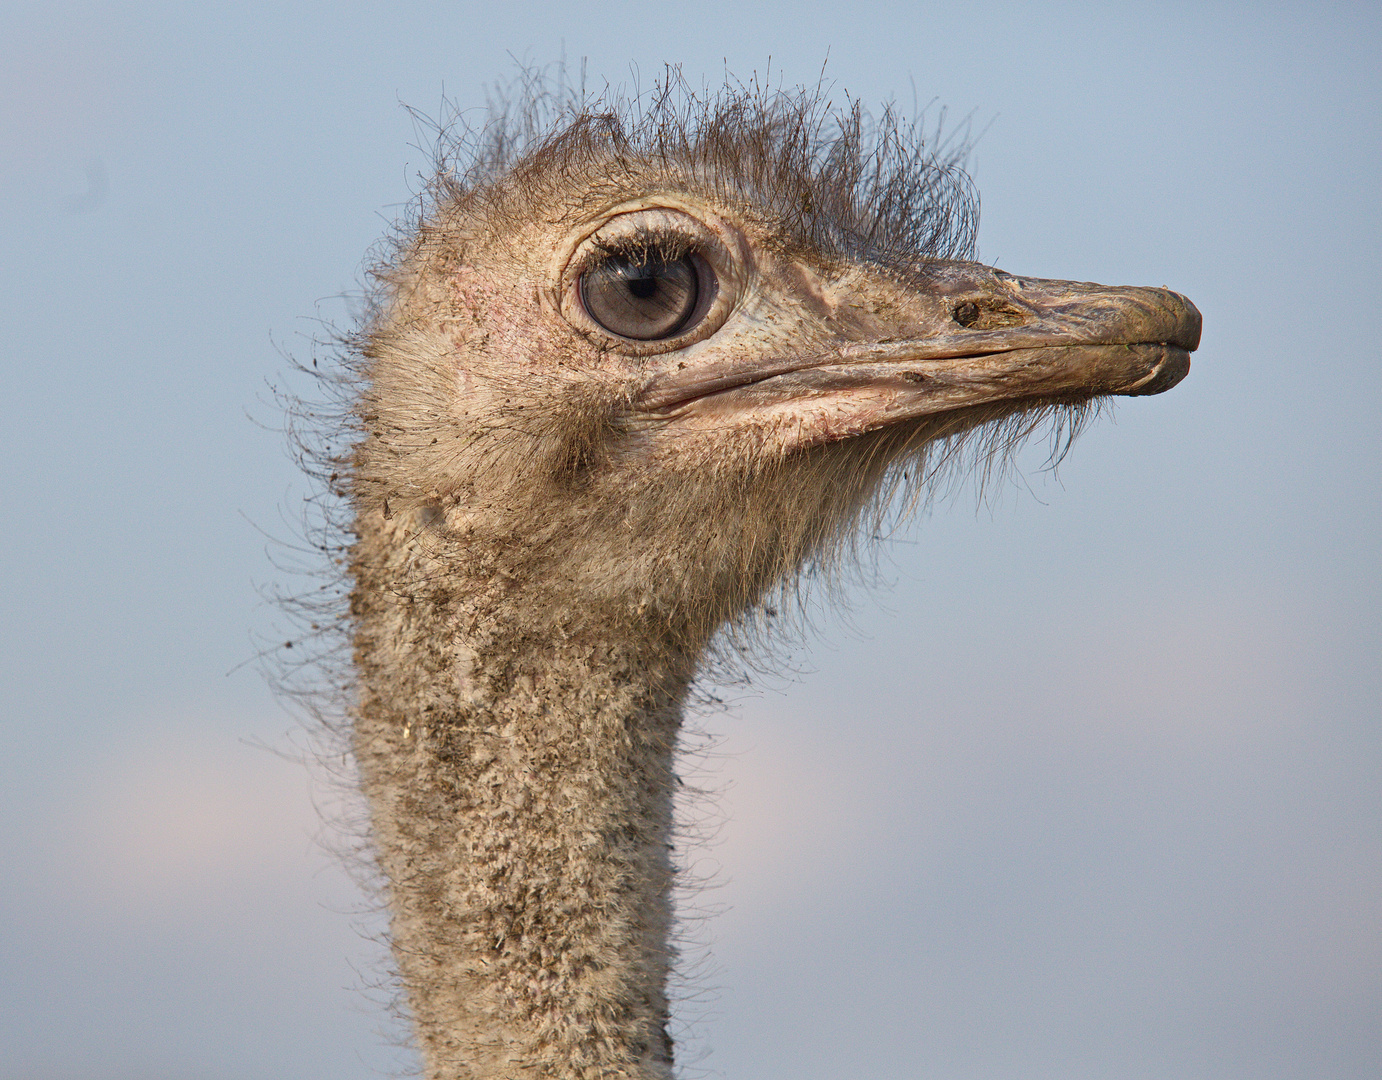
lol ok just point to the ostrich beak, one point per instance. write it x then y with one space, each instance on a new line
959 335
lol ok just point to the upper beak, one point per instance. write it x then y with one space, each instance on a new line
958 335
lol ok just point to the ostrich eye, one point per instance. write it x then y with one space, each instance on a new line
645 298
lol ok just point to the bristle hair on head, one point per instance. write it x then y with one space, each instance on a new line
840 180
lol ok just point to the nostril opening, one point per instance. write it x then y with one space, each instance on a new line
987 314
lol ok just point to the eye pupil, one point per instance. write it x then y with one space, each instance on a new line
642 287
643 298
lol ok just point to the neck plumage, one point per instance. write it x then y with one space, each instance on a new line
519 776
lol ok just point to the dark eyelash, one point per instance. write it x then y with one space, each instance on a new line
648 245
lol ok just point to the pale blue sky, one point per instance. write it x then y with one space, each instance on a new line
1089 787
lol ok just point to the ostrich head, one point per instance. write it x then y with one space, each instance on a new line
619 383
658 370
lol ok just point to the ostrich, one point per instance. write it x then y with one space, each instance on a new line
623 381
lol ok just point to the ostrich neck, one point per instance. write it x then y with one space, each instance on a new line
520 787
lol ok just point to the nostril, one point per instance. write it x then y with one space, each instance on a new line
987 314
967 313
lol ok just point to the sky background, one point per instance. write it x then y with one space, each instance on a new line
1088 785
